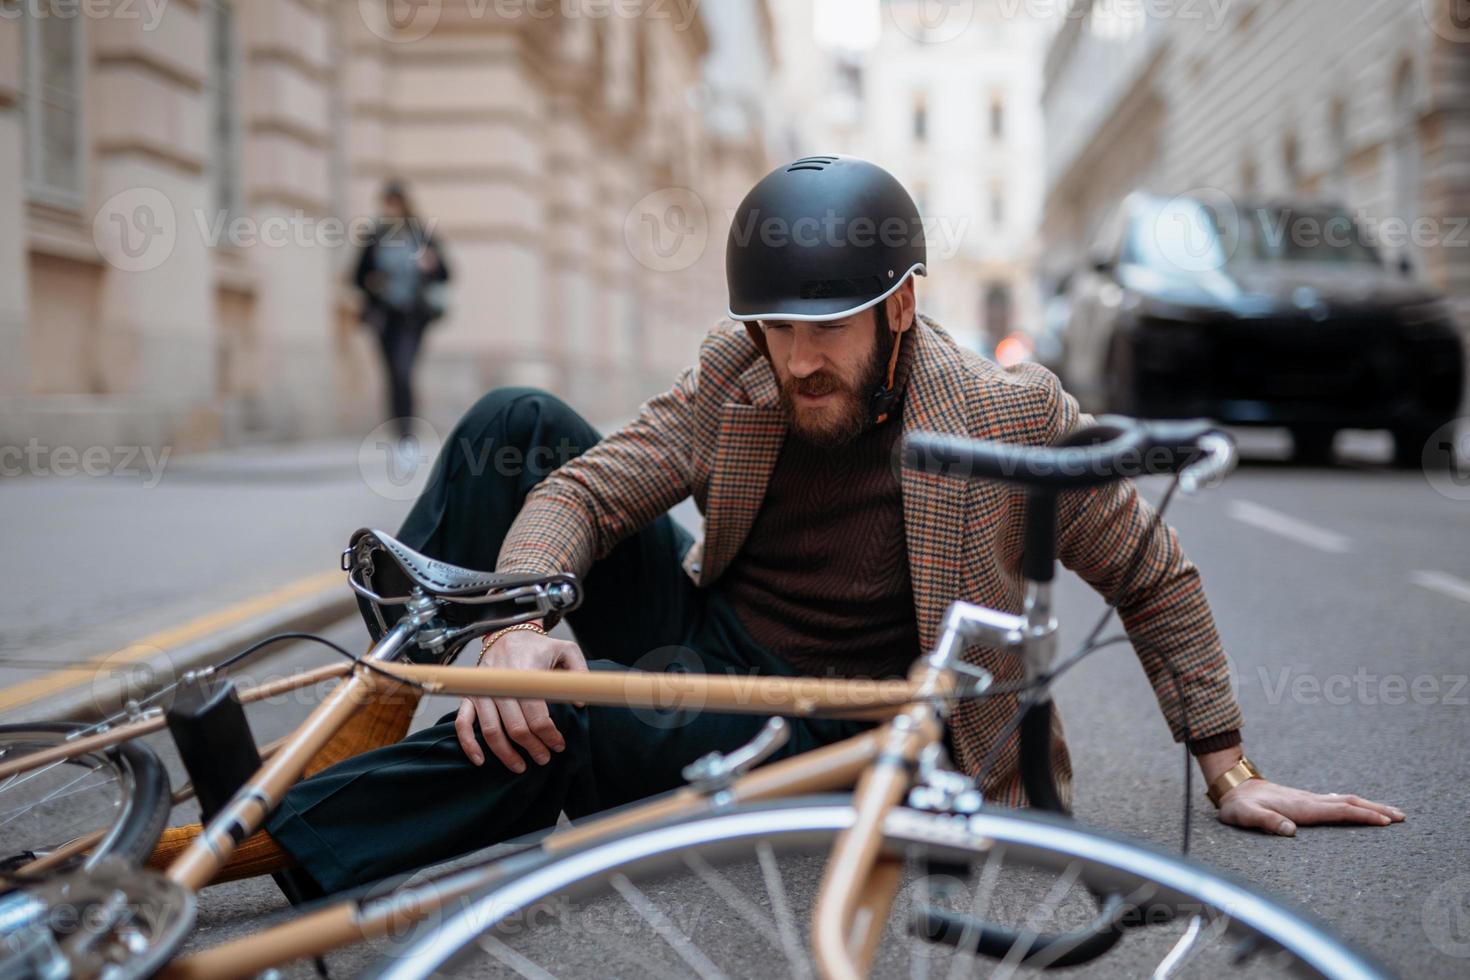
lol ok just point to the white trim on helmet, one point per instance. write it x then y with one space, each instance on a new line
918 267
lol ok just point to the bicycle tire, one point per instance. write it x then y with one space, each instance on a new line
1113 864
143 784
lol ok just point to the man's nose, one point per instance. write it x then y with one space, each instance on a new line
805 359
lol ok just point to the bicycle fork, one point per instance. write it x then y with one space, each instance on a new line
859 883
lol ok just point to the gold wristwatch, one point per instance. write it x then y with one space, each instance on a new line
1231 778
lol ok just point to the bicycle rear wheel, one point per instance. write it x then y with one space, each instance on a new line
116 798
728 894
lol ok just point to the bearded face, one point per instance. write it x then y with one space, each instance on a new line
827 373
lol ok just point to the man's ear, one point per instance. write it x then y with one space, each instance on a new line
758 337
901 307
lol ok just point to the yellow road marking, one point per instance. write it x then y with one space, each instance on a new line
164 640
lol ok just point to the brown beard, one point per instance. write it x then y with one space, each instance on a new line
853 415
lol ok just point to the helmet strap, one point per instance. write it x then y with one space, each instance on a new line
880 405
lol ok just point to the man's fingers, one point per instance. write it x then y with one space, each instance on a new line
1392 812
569 657
538 718
490 727
1255 815
1337 810
519 730
464 727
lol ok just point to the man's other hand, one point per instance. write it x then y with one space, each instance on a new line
1277 809
509 722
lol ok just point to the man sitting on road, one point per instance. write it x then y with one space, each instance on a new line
820 556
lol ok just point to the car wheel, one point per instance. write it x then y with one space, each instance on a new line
1411 449
1313 445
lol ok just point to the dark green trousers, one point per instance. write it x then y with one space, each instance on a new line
421 800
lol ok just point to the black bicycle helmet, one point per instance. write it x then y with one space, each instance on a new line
822 238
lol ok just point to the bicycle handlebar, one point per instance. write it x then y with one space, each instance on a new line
1115 448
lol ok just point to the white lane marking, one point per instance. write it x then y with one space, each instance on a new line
1444 584
1289 527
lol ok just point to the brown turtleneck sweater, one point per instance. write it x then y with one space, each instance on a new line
823 578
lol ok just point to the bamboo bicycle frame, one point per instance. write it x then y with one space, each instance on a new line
868 761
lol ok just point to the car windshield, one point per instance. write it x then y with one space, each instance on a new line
1186 236
1278 234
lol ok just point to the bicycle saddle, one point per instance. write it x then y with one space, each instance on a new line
385 572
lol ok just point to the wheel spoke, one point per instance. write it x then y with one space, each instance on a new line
512 960
667 931
1032 929
785 920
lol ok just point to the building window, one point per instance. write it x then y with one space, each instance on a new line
224 107
53 109
997 116
921 119
997 205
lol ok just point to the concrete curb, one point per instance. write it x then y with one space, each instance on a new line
90 701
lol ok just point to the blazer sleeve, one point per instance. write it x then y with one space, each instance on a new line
1102 533
617 487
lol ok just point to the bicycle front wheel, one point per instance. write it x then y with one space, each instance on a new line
729 894
81 810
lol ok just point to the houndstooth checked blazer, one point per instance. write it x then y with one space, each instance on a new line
716 436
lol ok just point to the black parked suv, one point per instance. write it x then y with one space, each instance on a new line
1260 314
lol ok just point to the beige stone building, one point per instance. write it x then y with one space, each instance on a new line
181 184
1364 103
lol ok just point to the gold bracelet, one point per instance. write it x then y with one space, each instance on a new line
1242 771
485 643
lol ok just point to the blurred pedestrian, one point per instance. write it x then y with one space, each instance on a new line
401 273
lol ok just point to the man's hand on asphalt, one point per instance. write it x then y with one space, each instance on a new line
526 722
1276 809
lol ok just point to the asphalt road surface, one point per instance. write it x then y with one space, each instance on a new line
1343 595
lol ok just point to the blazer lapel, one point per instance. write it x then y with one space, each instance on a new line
746 450
934 507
